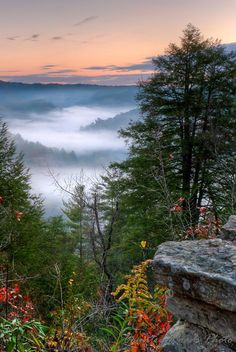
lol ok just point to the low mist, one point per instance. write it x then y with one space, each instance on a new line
61 129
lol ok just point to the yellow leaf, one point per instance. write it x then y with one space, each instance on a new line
143 244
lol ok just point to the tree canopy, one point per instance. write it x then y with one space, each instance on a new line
184 145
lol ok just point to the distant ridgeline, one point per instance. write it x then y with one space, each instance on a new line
115 123
24 99
38 155
230 47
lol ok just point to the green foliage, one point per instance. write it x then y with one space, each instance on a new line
22 337
178 181
119 327
183 148
30 246
21 214
78 217
92 215
20 211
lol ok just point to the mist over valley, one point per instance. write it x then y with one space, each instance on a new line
64 129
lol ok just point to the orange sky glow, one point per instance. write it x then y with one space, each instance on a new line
99 41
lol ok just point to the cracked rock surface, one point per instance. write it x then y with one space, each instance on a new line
201 276
204 270
215 319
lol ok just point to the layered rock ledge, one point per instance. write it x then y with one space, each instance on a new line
201 276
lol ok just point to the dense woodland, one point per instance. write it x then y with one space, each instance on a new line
63 280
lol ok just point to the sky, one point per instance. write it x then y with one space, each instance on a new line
100 41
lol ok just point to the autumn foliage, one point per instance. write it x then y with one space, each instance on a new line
15 305
147 316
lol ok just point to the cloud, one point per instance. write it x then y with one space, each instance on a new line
34 37
68 70
146 65
102 68
122 75
57 38
48 67
8 71
13 38
85 20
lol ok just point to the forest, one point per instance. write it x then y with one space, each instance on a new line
83 281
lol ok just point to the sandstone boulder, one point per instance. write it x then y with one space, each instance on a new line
204 270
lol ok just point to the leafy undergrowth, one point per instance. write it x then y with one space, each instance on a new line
143 319
139 324
19 331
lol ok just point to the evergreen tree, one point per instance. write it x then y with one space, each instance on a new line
75 210
184 147
30 246
92 215
19 208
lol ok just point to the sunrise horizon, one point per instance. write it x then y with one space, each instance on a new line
84 43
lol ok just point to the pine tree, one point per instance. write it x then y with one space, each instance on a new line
75 210
184 147
18 205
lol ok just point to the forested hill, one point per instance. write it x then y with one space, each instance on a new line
38 155
42 98
115 123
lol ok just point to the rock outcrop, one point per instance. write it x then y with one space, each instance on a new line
201 276
228 231
186 337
